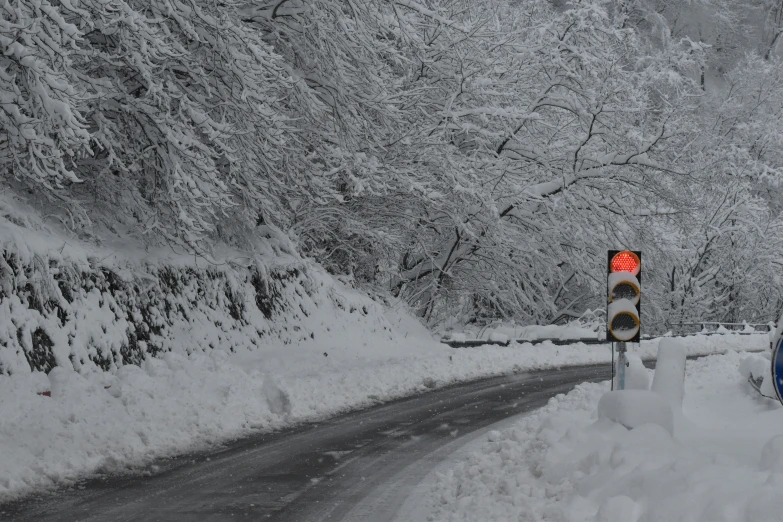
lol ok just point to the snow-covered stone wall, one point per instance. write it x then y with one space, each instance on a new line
67 303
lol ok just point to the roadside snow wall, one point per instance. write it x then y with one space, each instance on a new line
65 304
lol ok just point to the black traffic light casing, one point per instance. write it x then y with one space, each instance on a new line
624 296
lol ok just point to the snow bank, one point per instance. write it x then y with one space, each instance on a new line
77 305
755 366
758 367
529 332
772 455
669 380
636 375
498 337
565 464
96 421
618 509
634 408
107 420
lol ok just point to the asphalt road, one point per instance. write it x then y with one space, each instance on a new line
357 466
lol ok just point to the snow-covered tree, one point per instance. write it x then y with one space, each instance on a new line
568 127
42 130
474 158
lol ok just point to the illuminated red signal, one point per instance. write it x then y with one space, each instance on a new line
625 261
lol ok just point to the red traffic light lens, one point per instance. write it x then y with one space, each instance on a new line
626 261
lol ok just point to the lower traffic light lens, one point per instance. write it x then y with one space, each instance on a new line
624 326
623 322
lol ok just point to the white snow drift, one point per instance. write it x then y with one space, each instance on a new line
100 421
565 463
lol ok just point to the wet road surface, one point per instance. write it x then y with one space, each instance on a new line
357 466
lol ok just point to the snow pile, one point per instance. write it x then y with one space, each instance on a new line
511 330
105 420
755 366
669 380
757 369
636 376
634 408
565 464
77 305
772 455
498 337
708 344
569 331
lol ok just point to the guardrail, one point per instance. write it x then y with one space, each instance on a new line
481 342
729 332
470 343
704 324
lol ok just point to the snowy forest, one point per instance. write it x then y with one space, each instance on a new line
474 159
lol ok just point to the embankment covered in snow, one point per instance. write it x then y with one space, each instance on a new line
69 304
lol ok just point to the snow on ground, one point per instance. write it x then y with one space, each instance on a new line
504 331
112 355
723 464
103 421
590 326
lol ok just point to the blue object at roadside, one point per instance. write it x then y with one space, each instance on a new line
777 369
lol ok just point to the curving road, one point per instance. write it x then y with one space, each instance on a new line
358 466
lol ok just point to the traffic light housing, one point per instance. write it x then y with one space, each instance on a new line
624 295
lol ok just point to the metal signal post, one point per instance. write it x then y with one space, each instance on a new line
623 300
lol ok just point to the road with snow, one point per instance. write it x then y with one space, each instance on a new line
358 466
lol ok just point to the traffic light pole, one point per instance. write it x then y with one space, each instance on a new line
621 363
623 307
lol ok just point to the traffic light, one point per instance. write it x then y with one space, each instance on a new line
624 294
